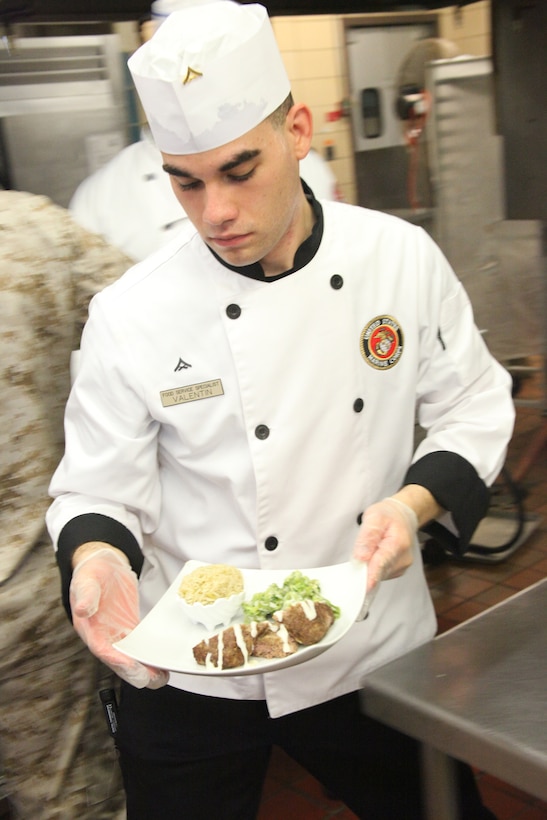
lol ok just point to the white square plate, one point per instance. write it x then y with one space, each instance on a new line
166 636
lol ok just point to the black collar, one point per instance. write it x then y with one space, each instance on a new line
303 255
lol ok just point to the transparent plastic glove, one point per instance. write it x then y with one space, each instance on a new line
104 602
385 540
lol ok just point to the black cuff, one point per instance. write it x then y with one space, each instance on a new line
458 488
93 527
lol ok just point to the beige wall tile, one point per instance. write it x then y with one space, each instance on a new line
458 24
477 17
322 92
317 31
292 61
286 33
478 46
343 169
312 65
450 25
349 192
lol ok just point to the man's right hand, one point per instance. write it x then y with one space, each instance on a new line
105 608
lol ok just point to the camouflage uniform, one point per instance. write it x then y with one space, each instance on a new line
56 755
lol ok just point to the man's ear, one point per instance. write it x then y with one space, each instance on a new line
300 128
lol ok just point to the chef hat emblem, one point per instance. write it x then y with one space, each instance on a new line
210 74
191 75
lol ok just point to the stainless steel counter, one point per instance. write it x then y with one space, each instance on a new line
478 693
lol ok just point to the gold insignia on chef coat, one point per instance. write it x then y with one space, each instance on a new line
381 342
191 392
191 74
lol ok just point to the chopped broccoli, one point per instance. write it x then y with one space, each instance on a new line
296 587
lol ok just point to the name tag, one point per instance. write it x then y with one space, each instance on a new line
192 392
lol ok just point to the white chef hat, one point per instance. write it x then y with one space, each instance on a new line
209 74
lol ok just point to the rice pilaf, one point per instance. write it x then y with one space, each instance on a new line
205 585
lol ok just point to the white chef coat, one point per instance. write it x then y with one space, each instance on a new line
131 204
223 418
318 174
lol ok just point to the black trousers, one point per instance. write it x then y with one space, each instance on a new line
189 757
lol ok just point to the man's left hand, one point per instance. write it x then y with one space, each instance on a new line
386 540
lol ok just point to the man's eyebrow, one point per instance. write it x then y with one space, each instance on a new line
239 159
173 171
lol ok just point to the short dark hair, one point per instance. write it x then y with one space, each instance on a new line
278 117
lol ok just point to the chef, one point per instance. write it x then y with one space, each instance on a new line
249 396
129 201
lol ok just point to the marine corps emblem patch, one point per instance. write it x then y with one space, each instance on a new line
381 342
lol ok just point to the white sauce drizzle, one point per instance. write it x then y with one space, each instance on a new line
220 645
240 640
308 608
284 636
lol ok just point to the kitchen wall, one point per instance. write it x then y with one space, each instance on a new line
314 55
313 51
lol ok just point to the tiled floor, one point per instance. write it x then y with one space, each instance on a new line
459 591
